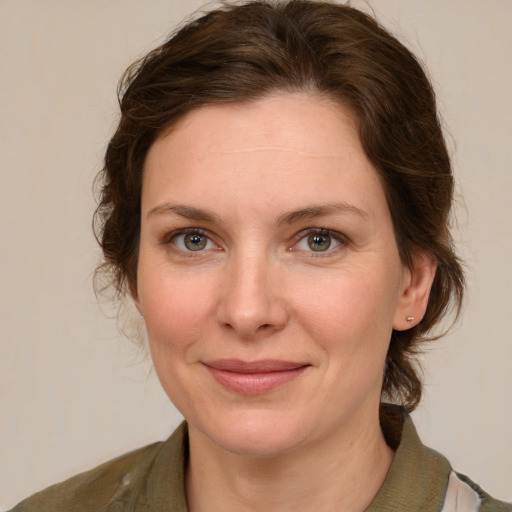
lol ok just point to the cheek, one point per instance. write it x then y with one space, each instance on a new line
347 304
176 310
350 317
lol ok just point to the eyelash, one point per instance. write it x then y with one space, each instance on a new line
169 240
341 240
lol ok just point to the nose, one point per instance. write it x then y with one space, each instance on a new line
252 304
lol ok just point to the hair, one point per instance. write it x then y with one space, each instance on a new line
245 51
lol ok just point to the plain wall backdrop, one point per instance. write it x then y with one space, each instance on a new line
73 392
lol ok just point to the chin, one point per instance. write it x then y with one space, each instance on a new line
263 434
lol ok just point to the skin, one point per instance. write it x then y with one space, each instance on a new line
250 182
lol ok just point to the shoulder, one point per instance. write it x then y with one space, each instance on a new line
97 488
150 478
421 479
463 488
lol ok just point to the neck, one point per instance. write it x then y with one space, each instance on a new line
340 472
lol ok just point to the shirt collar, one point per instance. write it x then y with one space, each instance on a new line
417 478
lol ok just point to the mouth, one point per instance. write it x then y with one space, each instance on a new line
254 377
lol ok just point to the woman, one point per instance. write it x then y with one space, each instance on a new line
275 201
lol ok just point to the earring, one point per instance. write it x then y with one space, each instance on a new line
410 318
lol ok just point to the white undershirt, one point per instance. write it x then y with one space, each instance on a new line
460 497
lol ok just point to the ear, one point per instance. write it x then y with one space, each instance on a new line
415 291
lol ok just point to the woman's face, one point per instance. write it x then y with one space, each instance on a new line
269 276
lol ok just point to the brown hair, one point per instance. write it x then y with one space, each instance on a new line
241 52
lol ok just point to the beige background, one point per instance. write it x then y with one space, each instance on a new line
73 393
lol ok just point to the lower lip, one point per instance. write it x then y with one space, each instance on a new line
255 383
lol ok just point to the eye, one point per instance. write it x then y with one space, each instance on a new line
319 241
192 241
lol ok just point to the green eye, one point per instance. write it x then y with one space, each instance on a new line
195 241
319 242
191 241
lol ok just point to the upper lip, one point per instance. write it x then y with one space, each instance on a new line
262 366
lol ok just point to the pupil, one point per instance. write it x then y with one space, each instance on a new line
195 242
319 242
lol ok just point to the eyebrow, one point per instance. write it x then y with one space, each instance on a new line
309 212
313 211
188 212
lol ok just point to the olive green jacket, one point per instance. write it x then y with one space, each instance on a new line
151 479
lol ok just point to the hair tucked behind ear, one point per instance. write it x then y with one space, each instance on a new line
241 52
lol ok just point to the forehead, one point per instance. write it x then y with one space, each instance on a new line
275 122
283 149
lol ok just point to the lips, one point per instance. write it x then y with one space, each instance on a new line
254 377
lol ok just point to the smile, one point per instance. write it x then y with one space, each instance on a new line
254 377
